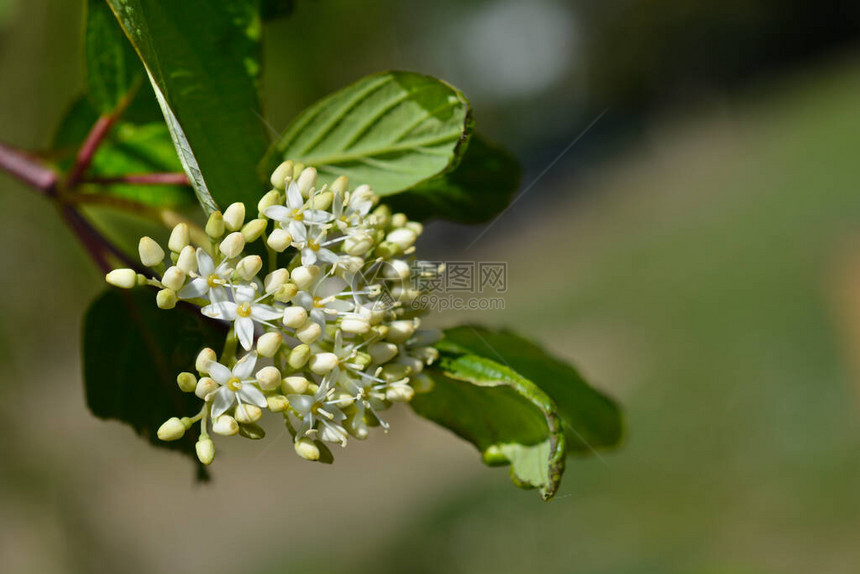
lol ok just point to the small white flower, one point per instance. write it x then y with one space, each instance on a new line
209 281
294 216
236 385
244 310
320 411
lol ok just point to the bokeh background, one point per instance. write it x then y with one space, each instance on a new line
696 253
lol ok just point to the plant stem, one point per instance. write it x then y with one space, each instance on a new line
94 139
28 170
97 245
142 179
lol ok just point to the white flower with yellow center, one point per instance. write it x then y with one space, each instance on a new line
244 310
295 216
236 386
210 281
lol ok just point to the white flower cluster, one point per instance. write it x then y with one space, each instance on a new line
328 340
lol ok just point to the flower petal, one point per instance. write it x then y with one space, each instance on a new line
298 231
301 403
294 196
196 288
278 213
245 293
243 369
220 310
309 256
261 312
251 394
316 216
219 373
245 330
224 399
205 265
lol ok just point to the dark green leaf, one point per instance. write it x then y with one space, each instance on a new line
132 352
477 189
506 416
271 9
113 68
591 419
391 131
203 59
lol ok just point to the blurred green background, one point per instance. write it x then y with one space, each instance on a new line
697 254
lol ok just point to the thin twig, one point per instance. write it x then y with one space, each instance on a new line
142 179
28 169
99 247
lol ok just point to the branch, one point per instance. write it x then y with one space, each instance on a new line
142 179
85 155
28 169
96 244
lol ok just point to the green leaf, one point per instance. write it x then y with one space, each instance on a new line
506 416
132 352
476 190
271 9
391 131
112 67
591 419
203 61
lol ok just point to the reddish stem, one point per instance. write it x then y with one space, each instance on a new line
143 179
94 139
28 169
96 244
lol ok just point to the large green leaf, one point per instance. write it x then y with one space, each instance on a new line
506 416
112 67
477 189
591 419
132 352
392 131
203 61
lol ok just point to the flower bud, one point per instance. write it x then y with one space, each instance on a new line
166 299
358 243
296 385
402 238
172 429
393 372
422 383
299 356
415 226
252 431
295 316
277 403
322 363
234 216
254 229
354 324
306 181
397 269
279 239
273 197
275 279
281 174
187 382
382 352
249 266
187 260
399 220
269 377
358 428
321 201
340 185
268 344
215 225
349 265
205 450
173 278
179 238
122 278
306 449
305 275
205 357
151 253
399 393
309 332
205 387
382 214
247 414
400 331
232 245
225 425
286 293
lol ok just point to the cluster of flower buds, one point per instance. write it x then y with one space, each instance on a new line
326 336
